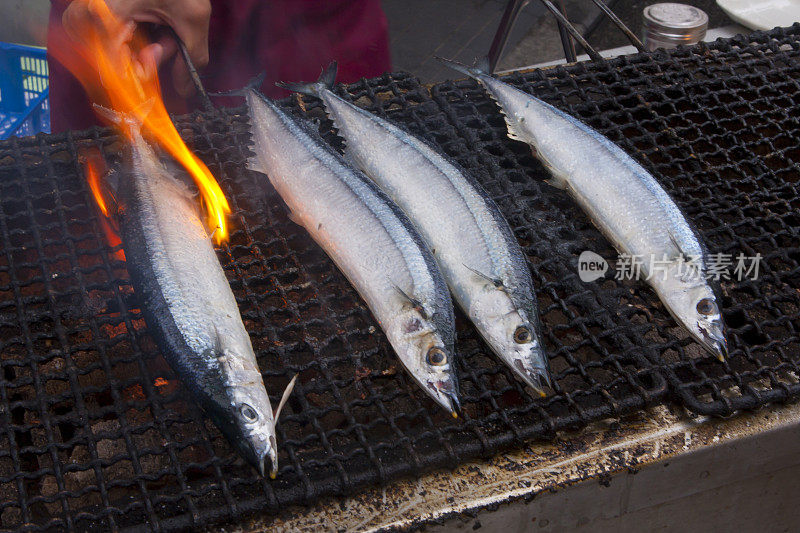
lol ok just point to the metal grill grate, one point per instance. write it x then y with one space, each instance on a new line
716 125
96 433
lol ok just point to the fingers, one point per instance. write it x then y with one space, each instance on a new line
150 58
169 46
152 53
159 52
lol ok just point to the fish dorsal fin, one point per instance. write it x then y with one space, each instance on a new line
415 304
255 165
108 114
291 214
179 179
296 219
681 253
132 120
286 393
350 157
556 179
511 128
497 282
217 341
675 243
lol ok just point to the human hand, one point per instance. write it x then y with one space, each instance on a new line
188 18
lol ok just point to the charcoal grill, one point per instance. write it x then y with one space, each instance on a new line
97 434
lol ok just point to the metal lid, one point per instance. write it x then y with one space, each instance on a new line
676 19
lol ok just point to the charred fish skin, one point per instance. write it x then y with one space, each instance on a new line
623 200
189 308
472 242
369 239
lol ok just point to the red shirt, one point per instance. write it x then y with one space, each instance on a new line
289 40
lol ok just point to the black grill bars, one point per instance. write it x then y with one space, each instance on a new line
96 433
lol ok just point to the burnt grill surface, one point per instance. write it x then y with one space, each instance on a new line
96 433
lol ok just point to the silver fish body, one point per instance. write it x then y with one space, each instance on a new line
623 200
189 307
368 238
472 242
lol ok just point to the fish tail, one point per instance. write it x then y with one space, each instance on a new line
108 114
253 85
324 83
479 68
135 118
127 122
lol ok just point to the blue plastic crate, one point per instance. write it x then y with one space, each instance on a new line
24 104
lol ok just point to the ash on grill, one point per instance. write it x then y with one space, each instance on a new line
96 433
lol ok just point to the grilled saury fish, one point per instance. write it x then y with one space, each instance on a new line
622 199
472 242
188 304
368 237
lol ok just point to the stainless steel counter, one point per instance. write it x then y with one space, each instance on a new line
661 469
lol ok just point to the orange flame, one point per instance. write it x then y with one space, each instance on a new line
93 177
101 52
94 185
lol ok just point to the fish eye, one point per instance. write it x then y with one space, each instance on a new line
522 335
706 307
436 356
248 413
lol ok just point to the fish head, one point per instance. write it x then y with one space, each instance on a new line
424 344
240 407
513 335
692 302
255 427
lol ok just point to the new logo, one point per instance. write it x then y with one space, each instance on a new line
591 266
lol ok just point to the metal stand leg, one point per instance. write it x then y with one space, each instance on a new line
503 30
566 42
